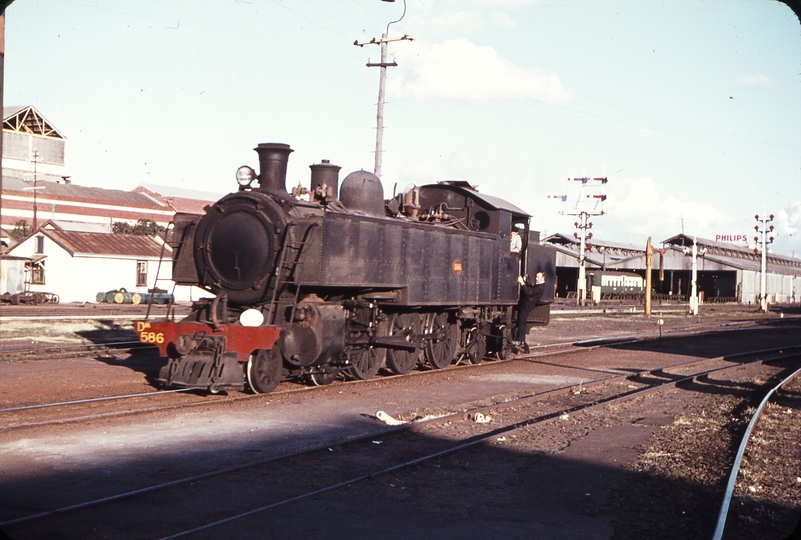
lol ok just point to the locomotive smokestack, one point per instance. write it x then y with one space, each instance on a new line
325 174
273 158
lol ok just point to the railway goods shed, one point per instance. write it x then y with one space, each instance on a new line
733 271
726 272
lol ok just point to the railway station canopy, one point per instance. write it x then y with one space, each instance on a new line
726 272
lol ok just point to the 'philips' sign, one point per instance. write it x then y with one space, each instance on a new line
733 238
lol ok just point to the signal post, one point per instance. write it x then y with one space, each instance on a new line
583 227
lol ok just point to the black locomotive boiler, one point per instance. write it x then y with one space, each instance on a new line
336 279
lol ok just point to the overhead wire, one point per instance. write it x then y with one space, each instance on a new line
381 19
223 30
333 18
305 18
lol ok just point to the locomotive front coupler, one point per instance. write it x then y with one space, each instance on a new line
213 311
186 343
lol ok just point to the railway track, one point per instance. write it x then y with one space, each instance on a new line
727 497
48 352
262 485
28 354
82 410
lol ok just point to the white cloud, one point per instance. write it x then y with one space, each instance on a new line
433 19
788 225
755 81
637 206
460 69
793 215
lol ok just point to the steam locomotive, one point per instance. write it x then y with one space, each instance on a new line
327 279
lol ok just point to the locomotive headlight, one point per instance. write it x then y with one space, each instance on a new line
245 175
251 317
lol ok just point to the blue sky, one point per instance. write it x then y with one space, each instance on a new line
692 109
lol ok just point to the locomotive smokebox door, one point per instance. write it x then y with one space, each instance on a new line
235 246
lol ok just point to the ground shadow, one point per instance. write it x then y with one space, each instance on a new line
712 344
490 491
145 361
112 333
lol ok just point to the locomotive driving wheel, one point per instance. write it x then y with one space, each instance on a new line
265 369
402 361
477 346
322 378
441 349
367 363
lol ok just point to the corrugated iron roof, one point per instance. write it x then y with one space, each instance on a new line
180 200
753 265
33 121
80 226
85 194
727 251
170 191
77 242
559 238
189 206
683 239
11 110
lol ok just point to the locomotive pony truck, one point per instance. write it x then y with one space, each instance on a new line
331 279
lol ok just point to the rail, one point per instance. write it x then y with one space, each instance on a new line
724 509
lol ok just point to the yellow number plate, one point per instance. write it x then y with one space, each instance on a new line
148 337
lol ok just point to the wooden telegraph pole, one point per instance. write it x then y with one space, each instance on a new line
383 64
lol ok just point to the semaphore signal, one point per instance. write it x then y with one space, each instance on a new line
584 225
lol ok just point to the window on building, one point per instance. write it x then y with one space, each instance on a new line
40 244
141 273
37 273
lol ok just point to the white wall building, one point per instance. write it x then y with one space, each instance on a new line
76 265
